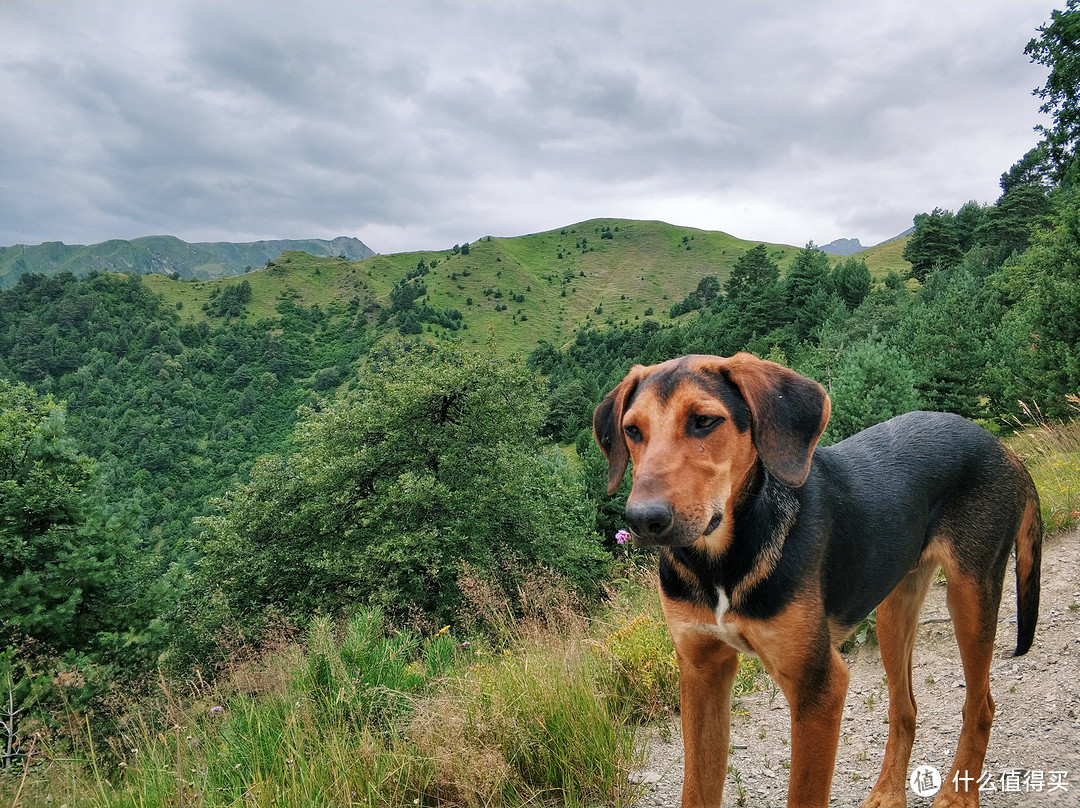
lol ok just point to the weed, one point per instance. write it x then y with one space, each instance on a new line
362 715
865 632
645 672
741 792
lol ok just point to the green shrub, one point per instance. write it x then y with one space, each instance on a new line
433 464
645 672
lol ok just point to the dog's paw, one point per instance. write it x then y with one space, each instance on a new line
885 798
956 799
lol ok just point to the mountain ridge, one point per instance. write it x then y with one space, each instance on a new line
510 291
165 255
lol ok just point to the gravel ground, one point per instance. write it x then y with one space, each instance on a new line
1036 726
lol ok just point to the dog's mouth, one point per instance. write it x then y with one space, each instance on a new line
680 533
714 523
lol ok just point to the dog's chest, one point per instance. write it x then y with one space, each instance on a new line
727 625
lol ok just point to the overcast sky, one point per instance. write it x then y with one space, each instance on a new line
420 125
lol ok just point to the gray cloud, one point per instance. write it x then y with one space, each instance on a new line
417 125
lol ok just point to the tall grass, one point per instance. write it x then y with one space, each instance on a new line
547 710
1051 451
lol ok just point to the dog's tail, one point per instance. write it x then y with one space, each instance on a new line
1028 569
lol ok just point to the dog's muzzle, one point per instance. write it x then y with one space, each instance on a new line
650 521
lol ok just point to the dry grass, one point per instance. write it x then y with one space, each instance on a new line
1051 451
359 714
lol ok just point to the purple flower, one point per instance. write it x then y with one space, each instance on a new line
216 708
622 536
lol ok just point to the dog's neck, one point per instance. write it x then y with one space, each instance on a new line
762 519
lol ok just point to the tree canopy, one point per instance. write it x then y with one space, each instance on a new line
434 463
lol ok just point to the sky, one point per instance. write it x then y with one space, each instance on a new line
420 125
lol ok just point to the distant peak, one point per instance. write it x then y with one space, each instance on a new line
842 246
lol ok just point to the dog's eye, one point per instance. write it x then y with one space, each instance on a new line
633 433
703 423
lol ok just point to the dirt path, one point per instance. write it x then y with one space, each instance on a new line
1036 728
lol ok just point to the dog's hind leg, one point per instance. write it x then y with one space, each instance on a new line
897 625
973 605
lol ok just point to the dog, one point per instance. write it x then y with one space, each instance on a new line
771 548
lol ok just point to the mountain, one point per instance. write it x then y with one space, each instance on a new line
508 292
164 255
842 246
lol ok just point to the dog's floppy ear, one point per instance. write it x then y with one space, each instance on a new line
607 427
788 414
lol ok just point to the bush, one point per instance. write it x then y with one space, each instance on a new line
645 671
433 464
872 383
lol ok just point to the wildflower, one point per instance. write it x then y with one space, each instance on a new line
217 708
622 536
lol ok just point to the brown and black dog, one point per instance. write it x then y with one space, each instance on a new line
771 548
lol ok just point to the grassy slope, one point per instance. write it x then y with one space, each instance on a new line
645 265
886 258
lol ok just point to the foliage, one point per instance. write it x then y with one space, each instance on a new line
172 411
229 301
872 383
851 281
947 336
807 292
1039 334
934 243
754 269
1058 48
48 572
365 715
705 293
74 575
434 462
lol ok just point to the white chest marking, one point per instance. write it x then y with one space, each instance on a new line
726 629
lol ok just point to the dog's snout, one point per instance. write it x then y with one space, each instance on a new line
650 520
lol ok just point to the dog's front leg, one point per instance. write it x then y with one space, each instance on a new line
707 668
816 696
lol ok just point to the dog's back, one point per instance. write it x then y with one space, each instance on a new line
916 487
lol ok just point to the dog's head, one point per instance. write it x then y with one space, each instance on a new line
695 428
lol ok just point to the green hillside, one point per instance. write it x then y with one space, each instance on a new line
517 290
886 257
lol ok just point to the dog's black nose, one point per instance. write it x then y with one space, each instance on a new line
650 519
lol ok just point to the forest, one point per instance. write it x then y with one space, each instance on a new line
180 494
